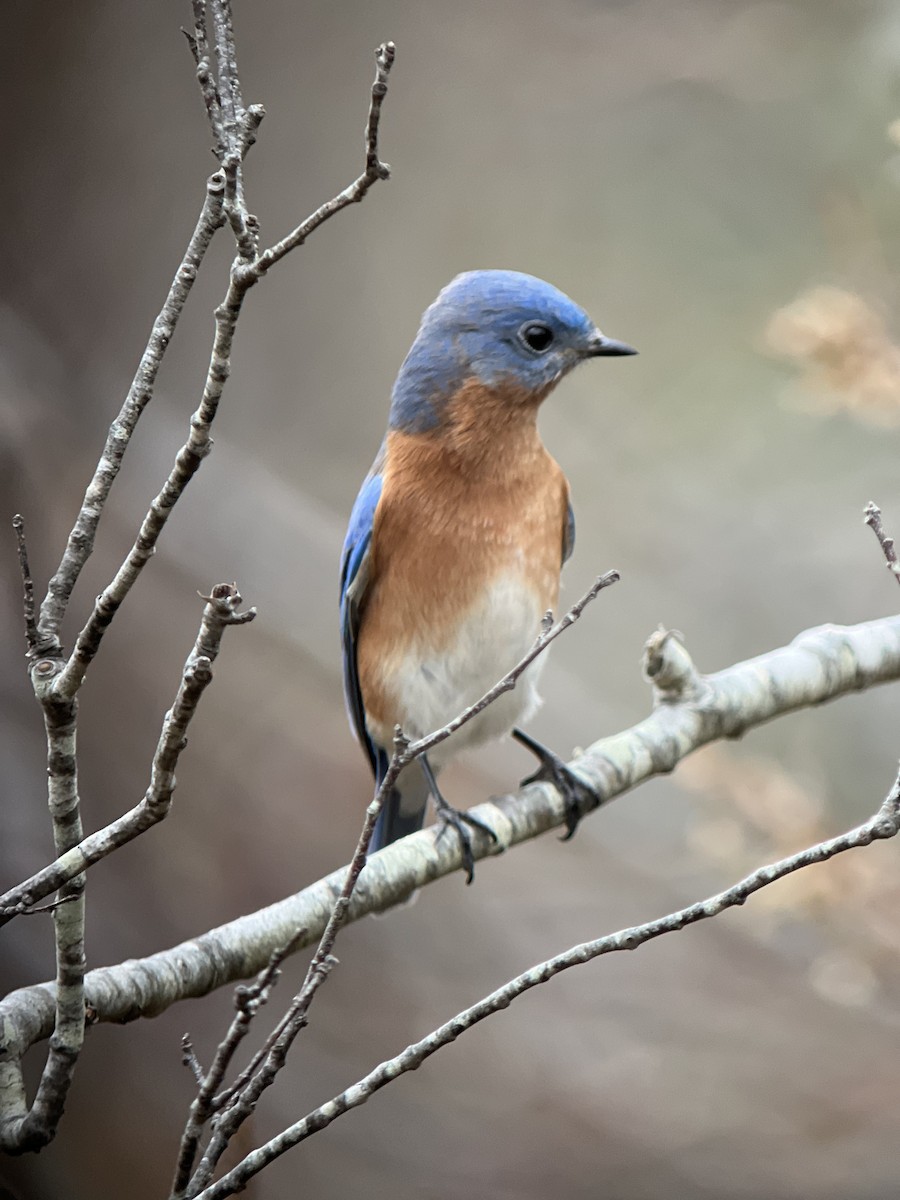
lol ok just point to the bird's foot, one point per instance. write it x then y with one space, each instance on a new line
457 820
578 797
454 818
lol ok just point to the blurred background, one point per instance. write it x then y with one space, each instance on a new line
716 181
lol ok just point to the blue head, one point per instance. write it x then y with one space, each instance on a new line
500 328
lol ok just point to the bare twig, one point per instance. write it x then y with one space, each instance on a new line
28 609
199 45
69 679
56 681
242 134
375 170
508 682
81 539
244 275
190 1059
221 611
33 1128
187 462
882 825
873 520
229 88
242 1097
24 910
247 1003
22 1129
234 137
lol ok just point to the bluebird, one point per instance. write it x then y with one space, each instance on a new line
458 535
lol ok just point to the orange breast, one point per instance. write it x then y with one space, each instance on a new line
478 500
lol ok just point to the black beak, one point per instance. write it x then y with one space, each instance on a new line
602 345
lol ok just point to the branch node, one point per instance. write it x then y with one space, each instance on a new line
31 631
190 1060
668 666
872 518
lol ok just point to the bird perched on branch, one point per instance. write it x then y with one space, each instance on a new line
456 541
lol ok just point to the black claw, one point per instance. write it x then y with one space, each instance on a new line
450 818
457 820
578 797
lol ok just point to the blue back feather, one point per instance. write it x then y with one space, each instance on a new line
354 565
569 533
392 823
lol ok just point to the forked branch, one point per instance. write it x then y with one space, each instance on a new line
22 1128
57 679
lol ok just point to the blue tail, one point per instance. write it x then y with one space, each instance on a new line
404 808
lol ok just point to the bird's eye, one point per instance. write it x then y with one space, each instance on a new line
536 336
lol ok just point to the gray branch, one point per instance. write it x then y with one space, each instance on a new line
689 711
234 127
247 1002
22 1129
221 610
187 463
873 520
882 825
375 170
81 539
33 1128
56 680
26 1129
28 609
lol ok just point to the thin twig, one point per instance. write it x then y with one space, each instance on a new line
244 275
199 45
21 1129
187 463
31 635
234 135
198 445
33 1128
508 682
190 1059
873 520
883 825
247 1003
230 100
221 610
57 681
25 910
81 539
356 191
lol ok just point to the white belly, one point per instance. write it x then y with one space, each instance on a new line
488 644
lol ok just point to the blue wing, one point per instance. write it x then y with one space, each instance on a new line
404 808
568 533
355 567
